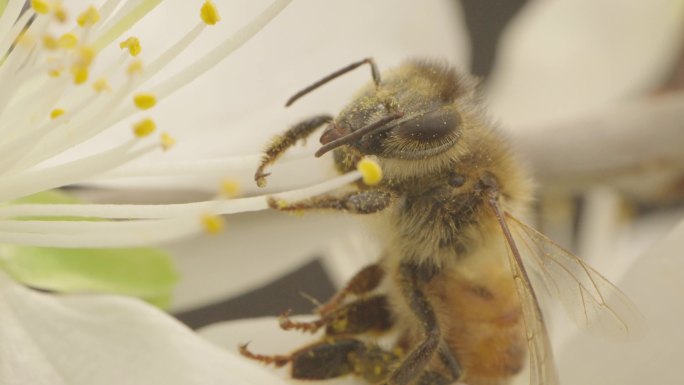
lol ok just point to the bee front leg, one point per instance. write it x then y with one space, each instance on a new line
281 143
357 202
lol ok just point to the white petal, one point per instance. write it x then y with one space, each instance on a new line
85 340
564 58
655 283
255 249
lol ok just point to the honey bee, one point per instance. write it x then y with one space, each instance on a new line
456 286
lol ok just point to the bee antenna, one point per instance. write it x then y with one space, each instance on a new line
374 72
373 127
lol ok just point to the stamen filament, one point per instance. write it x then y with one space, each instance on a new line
131 211
18 185
153 232
193 167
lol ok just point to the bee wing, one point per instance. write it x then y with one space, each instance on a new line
542 365
589 298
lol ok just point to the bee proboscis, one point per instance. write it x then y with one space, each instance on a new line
458 277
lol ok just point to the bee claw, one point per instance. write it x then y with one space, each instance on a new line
260 178
276 360
286 323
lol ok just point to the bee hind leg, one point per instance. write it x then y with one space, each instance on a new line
335 357
413 366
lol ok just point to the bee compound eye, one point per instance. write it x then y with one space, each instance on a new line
434 126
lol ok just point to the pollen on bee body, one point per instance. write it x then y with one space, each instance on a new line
370 171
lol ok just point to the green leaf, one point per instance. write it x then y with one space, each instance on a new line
147 273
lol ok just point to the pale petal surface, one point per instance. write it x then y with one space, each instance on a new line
82 340
562 59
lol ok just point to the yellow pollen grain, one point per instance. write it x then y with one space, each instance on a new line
230 188
40 6
132 44
50 43
68 41
54 73
167 141
102 85
144 100
144 127
370 171
213 224
56 113
89 17
135 67
209 13
80 74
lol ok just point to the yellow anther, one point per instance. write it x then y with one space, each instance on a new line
144 127
80 74
102 85
60 13
370 171
167 141
88 17
132 44
86 55
40 6
50 43
135 67
230 188
213 224
56 113
54 73
68 41
144 100
209 13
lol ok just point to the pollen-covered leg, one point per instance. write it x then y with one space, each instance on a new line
364 281
281 143
364 315
357 202
338 357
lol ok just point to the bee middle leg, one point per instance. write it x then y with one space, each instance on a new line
414 364
364 281
370 314
356 202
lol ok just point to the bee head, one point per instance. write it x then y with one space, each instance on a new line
400 135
